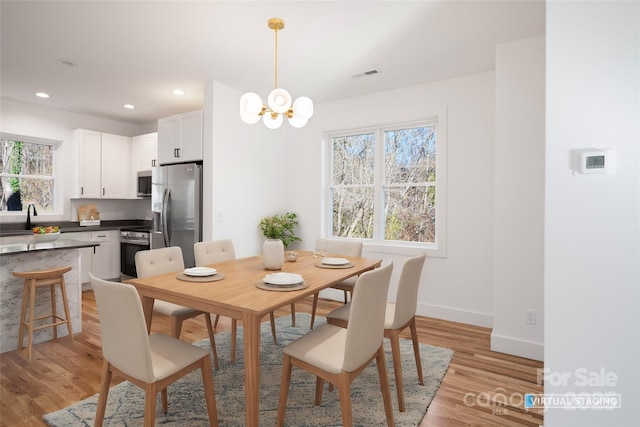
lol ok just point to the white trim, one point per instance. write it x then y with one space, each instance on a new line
453 314
517 347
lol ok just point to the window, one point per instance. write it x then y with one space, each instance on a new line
387 184
26 175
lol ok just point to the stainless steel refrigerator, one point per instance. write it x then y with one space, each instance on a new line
176 201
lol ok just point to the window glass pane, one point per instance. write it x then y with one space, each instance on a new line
410 155
353 212
410 214
26 176
353 158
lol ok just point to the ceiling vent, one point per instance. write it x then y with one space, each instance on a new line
365 74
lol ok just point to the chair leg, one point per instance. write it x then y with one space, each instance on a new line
345 399
176 326
25 296
212 340
416 349
284 389
104 393
272 318
319 387
384 386
209 391
32 305
65 304
215 322
293 314
165 400
54 312
150 404
345 296
314 306
394 338
234 334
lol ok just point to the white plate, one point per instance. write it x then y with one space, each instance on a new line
335 261
200 271
283 279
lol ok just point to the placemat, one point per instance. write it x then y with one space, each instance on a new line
200 279
266 287
321 265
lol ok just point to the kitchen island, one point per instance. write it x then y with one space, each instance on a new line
21 253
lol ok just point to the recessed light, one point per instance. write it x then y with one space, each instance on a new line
129 106
42 94
177 92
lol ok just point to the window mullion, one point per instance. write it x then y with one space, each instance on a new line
379 182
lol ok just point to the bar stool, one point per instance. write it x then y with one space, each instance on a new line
32 280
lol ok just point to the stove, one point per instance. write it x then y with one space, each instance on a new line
132 240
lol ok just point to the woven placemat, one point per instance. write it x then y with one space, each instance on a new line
267 287
200 279
321 265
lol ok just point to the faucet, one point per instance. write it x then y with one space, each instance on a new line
35 213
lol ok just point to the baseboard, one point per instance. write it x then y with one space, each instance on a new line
456 315
517 347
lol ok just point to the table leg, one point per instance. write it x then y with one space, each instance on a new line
147 308
251 331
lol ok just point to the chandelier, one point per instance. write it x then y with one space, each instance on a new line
279 103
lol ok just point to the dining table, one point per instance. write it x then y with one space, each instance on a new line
239 292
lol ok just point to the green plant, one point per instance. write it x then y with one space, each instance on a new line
280 227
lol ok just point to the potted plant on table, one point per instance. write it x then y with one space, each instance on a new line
279 231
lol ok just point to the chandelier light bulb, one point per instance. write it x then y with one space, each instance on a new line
279 100
297 121
303 107
272 120
250 103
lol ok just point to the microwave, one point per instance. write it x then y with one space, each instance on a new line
144 184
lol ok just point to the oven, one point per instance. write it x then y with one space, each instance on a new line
131 241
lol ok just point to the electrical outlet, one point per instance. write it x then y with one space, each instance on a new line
531 317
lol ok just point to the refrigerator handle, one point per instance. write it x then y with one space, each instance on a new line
166 210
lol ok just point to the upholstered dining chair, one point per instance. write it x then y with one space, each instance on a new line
398 316
151 362
215 251
338 355
335 247
154 262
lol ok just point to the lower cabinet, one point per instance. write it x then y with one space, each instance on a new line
102 261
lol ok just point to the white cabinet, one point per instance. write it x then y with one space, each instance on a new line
102 261
104 170
144 152
180 138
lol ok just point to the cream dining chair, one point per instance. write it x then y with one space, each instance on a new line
151 362
338 355
336 247
154 262
215 251
398 317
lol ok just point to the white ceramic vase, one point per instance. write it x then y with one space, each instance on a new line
273 254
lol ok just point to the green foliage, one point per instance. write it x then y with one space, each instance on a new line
280 227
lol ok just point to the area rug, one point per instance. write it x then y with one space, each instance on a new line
125 406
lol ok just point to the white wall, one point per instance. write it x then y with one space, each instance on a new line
458 287
592 229
34 120
519 198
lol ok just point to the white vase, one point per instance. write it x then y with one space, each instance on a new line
273 254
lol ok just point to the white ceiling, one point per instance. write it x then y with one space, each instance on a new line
138 51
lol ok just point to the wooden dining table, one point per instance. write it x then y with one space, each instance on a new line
237 296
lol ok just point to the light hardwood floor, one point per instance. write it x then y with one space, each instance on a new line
472 394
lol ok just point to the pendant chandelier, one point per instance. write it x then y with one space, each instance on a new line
279 103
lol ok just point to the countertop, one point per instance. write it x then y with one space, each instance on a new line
18 229
29 246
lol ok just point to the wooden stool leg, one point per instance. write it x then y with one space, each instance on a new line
54 313
63 290
23 313
32 304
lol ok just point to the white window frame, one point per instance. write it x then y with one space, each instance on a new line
377 243
58 183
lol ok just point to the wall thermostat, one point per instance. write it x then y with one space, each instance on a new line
592 161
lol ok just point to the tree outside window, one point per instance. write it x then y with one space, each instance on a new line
26 176
384 183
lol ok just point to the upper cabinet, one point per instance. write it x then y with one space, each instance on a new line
144 152
104 165
180 138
